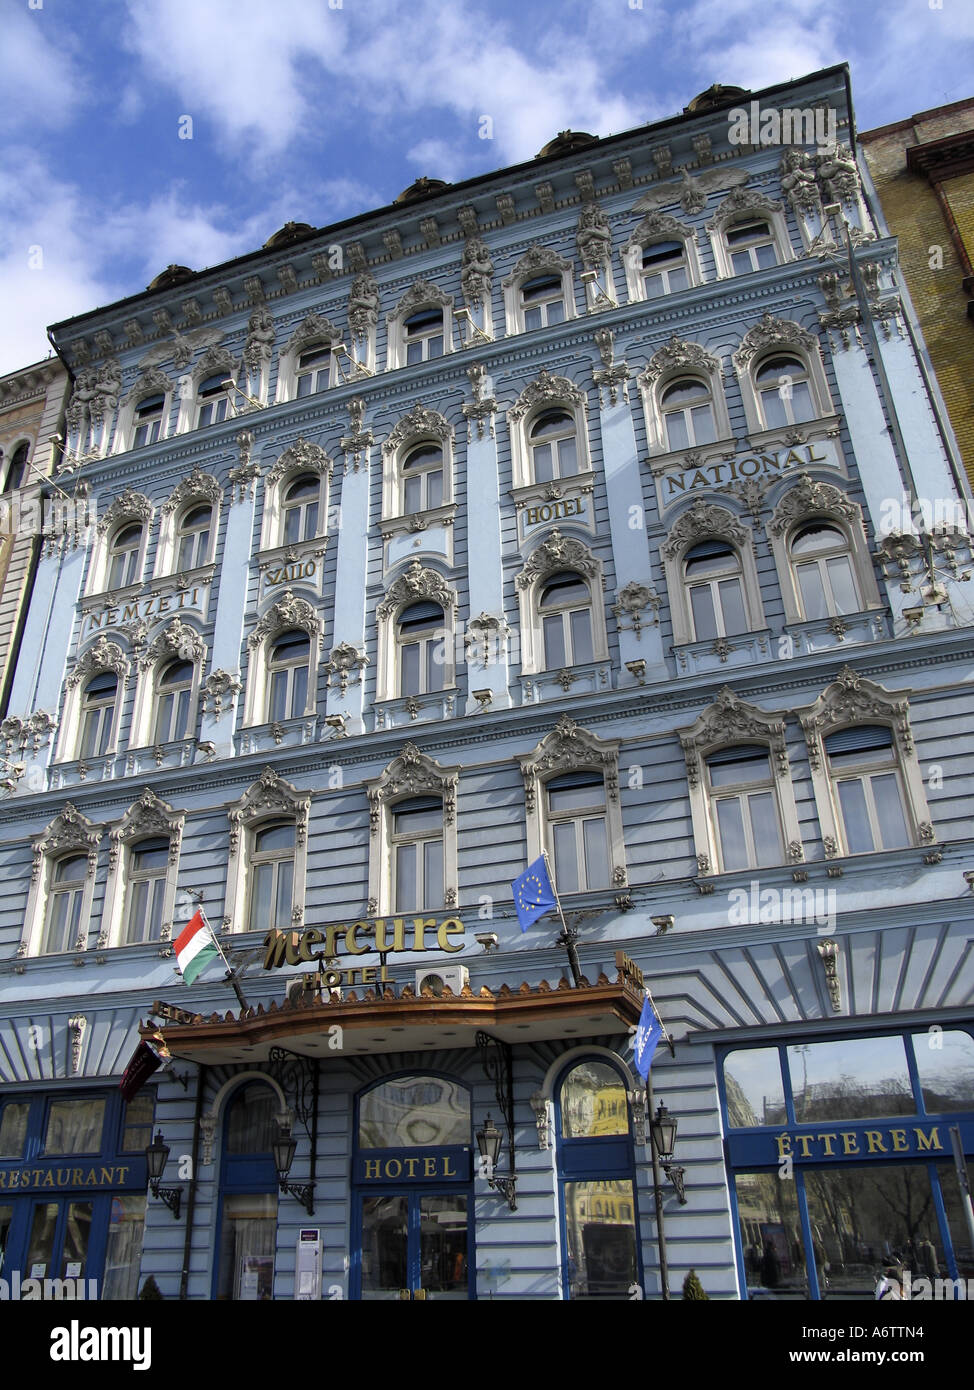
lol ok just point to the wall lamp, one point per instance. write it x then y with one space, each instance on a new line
489 1143
283 1149
663 1130
156 1158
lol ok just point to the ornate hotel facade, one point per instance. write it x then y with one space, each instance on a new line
577 508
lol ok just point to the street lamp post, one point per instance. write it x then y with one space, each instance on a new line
662 1141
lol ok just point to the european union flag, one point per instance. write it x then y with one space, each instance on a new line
533 893
648 1034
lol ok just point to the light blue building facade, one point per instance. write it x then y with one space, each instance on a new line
600 507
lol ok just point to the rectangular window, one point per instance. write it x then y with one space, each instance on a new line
600 1237
13 1129
74 1127
137 1123
774 1256
123 1254
248 1236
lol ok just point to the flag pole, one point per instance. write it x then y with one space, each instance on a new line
569 935
231 976
652 1001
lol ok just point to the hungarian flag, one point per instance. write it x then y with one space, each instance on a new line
195 948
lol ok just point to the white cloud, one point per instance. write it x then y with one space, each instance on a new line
41 79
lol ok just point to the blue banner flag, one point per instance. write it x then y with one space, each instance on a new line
533 893
648 1034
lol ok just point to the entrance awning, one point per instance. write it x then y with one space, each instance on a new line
380 1023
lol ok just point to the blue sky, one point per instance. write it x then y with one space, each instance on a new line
314 110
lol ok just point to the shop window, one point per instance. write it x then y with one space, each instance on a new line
715 589
945 1065
74 1127
820 554
13 1129
770 1235
414 1112
137 1122
123 1252
577 832
174 689
272 877
123 557
148 868
754 1090
148 420
248 1209
744 808
65 903
866 787
595 1163
193 539
417 852
851 1079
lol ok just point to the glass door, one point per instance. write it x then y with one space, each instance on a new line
416 1246
59 1236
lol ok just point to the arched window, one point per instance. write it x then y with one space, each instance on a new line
123 557
565 610
664 268
248 1186
688 414
824 571
17 469
423 336
272 877
744 808
174 689
553 447
148 865
416 841
595 1170
287 670
715 587
299 509
784 392
98 715
575 818
421 640
148 420
542 301
867 789
750 246
64 904
194 538
211 398
422 479
313 370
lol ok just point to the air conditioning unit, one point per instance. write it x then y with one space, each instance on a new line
441 977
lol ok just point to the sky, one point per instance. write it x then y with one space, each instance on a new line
139 133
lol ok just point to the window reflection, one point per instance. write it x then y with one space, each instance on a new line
13 1129
774 1256
601 1239
755 1094
251 1121
414 1112
851 1079
74 1127
593 1102
945 1062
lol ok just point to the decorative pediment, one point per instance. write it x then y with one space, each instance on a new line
678 355
569 748
658 226
178 639
417 583
69 831
215 359
546 390
287 612
772 333
811 498
198 487
740 202
420 295
411 774
128 506
268 797
558 552
149 382
101 656
854 699
704 521
150 816
300 457
313 329
421 423
535 261
731 720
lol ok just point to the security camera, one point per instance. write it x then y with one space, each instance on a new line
487 939
663 924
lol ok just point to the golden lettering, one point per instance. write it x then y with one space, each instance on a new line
76 1176
3 1177
792 457
130 612
383 974
784 1144
531 516
331 938
699 479
898 1137
815 458
746 472
312 937
121 1174
850 1143
448 1172
450 927
419 931
875 1141
827 1140
368 974
927 1141
390 1163
351 945
49 1179
429 1170
108 1176
676 482
411 1167
806 1142
371 1168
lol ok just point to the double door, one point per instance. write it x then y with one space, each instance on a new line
59 1240
415 1245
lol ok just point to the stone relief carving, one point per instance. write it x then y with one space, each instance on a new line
546 390
101 656
558 552
269 796
417 583
286 613
346 666
410 773
476 275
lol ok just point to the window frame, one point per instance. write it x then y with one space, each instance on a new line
706 521
268 799
807 500
68 834
258 859
769 338
556 554
276 667
411 775
421 297
149 818
420 428
741 206
399 840
676 361
740 793
536 262
288 613
300 459
413 585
